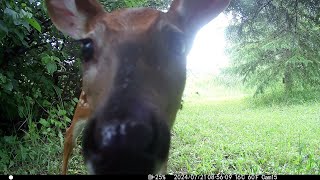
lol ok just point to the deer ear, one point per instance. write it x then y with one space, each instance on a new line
191 15
72 16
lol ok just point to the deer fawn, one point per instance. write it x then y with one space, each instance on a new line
134 73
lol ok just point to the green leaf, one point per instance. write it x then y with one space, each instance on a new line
22 22
67 119
21 111
43 122
34 24
51 67
128 3
11 13
10 139
46 103
11 164
57 90
3 78
45 58
3 27
2 35
75 100
8 86
62 112
25 14
54 58
23 153
19 34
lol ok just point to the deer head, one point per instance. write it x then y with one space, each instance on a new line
134 73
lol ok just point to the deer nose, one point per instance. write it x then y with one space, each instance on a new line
126 146
131 135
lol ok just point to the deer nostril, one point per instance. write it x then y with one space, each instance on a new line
122 129
107 134
129 135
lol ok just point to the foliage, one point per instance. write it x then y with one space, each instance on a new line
36 74
111 5
275 41
40 73
40 80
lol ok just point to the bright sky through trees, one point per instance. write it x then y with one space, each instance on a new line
207 54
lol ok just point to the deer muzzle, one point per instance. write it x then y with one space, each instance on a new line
135 141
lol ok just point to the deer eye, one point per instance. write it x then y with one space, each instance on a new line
175 40
87 49
176 43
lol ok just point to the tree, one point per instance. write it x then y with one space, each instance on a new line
36 75
275 41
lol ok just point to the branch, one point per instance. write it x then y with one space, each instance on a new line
260 9
254 16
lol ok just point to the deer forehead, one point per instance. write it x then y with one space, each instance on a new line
135 20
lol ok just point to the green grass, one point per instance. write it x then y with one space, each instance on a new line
222 130
44 156
219 130
231 137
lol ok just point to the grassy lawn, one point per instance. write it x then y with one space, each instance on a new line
222 131
231 137
218 131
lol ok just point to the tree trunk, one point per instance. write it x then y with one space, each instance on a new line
288 79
